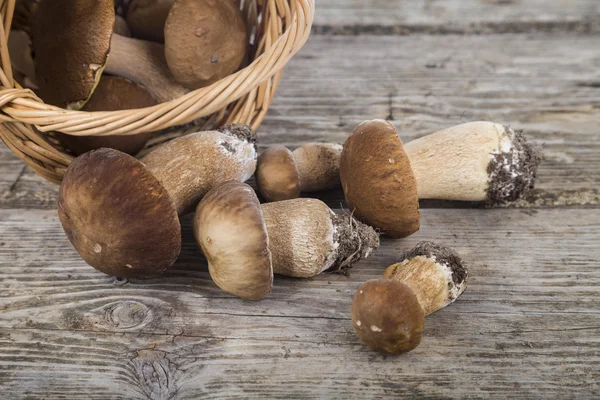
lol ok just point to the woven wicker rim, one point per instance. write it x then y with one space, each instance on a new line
282 28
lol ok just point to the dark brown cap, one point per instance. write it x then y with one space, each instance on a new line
387 316
378 181
71 41
118 216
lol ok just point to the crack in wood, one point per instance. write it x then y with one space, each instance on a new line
13 186
589 25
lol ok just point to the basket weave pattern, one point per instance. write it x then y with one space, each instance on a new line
280 29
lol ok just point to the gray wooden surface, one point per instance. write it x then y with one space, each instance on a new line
529 323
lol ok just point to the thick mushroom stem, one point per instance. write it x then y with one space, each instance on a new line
436 275
190 166
143 63
146 18
307 238
477 161
318 166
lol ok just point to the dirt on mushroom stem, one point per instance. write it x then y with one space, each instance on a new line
514 172
356 241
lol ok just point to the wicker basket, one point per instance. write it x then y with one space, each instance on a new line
281 28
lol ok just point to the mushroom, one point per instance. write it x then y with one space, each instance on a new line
70 56
121 214
476 161
282 174
205 41
388 314
377 179
299 238
146 18
111 94
435 273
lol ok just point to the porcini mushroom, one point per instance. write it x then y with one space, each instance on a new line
71 56
231 231
205 41
435 273
476 161
301 237
378 182
111 94
282 174
388 314
146 18
121 214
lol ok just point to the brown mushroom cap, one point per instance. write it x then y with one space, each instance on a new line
68 63
387 316
118 216
146 18
112 94
277 176
230 229
205 41
378 182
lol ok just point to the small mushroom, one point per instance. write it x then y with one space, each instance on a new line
302 238
435 273
282 174
476 161
377 178
146 18
111 94
121 214
388 314
205 41
71 56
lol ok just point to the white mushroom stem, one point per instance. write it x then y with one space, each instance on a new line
435 273
307 238
475 161
143 63
318 166
190 166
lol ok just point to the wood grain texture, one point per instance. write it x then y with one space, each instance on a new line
527 325
351 17
548 85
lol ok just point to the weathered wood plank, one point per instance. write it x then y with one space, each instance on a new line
528 323
425 83
454 16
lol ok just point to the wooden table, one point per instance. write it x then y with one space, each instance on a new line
527 326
